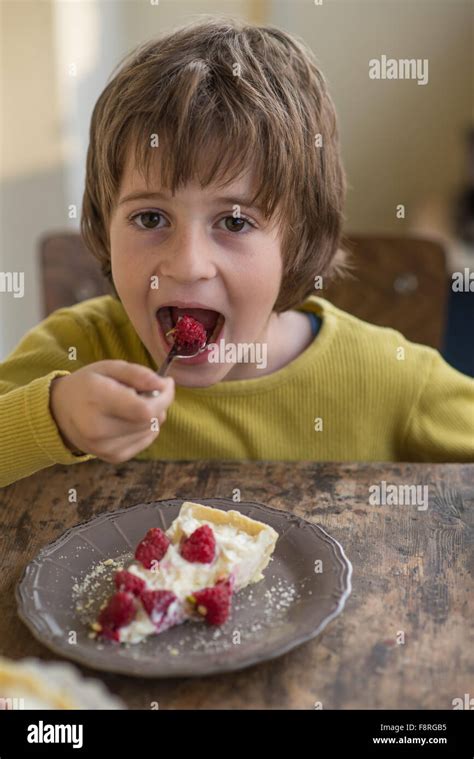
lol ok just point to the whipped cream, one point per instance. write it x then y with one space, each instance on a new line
142 626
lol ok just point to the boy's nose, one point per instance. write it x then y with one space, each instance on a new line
188 258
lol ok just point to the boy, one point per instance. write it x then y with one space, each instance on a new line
214 186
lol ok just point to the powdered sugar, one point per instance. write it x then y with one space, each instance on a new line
256 610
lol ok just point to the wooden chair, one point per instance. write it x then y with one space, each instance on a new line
398 282
69 272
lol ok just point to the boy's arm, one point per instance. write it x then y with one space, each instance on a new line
440 426
29 437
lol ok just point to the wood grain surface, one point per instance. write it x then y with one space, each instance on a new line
405 639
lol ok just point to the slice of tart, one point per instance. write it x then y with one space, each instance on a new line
32 683
191 571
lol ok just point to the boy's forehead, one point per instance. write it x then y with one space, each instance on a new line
133 181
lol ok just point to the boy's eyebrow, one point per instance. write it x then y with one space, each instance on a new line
140 194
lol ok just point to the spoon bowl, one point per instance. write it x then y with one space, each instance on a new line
191 324
162 371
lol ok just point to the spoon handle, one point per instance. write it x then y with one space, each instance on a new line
166 363
161 373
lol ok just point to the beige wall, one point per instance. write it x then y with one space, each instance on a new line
31 187
402 142
30 117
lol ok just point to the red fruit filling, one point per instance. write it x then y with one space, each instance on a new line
128 582
156 603
119 612
200 546
152 548
214 603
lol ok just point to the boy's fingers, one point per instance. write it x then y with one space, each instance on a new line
122 402
117 428
127 441
127 448
134 375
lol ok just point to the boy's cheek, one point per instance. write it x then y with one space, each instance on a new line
126 279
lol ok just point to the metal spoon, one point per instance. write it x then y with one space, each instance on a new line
165 366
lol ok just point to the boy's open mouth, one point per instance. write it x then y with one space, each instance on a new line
211 320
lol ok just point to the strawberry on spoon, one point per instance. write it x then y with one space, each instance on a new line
190 338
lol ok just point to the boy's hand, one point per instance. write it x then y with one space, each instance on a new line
97 409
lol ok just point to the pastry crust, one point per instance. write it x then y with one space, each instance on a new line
232 518
51 685
11 676
220 517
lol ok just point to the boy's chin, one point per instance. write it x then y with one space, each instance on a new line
199 375
186 377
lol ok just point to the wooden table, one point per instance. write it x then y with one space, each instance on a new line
412 580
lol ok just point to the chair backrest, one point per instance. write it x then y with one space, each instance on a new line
397 282
69 273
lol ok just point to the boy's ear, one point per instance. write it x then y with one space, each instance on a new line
342 265
110 283
114 292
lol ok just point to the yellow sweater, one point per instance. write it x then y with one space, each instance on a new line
377 396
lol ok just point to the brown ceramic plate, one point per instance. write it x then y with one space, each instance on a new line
292 604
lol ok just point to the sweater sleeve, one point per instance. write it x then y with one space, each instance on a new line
440 427
29 437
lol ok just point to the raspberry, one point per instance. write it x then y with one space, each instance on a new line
129 582
152 548
200 546
156 536
214 603
156 602
120 611
189 334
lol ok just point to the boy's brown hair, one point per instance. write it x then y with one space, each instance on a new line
251 97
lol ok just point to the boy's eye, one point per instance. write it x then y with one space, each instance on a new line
150 221
236 223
